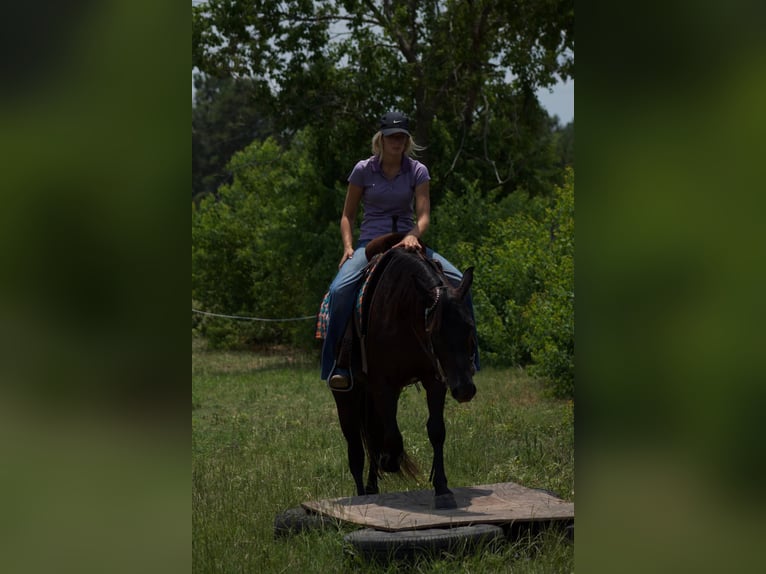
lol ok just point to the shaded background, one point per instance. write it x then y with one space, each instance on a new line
669 312
94 109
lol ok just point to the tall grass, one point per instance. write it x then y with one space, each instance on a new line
265 437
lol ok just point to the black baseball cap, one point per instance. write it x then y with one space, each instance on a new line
394 123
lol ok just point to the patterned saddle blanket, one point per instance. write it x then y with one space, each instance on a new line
323 317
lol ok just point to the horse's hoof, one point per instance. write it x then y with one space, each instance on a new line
445 501
372 490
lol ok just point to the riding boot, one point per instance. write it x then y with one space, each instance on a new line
341 378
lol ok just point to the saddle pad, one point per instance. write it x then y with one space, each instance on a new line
323 317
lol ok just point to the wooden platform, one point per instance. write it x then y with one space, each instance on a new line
501 503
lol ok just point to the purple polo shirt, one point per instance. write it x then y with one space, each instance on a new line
383 198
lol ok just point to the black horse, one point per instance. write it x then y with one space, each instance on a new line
415 326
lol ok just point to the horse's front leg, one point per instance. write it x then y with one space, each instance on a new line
374 438
350 424
436 393
356 462
372 478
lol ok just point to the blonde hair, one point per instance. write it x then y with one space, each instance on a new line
410 148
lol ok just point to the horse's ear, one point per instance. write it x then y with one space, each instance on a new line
465 284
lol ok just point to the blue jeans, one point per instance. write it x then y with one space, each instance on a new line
343 291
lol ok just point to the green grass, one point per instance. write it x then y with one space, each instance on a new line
265 437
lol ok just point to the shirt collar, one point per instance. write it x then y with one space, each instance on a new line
404 168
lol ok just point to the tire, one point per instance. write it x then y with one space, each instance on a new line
297 520
376 545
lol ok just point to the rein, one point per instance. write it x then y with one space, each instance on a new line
429 348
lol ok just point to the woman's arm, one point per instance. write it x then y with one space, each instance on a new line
350 207
422 215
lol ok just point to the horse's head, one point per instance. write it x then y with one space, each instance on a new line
453 337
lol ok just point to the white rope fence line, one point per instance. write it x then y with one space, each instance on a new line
253 318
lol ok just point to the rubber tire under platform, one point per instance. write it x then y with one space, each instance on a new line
383 546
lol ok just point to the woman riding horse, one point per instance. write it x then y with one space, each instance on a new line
387 184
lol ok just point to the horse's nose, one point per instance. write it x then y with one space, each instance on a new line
464 393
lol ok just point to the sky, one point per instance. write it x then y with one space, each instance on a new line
559 102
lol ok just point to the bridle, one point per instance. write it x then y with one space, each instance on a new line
428 345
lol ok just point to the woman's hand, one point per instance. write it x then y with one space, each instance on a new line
348 253
410 243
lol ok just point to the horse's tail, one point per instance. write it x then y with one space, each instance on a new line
408 467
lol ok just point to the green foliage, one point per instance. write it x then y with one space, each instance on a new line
550 312
523 251
447 64
259 250
227 115
564 138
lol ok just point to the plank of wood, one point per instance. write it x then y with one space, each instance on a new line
414 510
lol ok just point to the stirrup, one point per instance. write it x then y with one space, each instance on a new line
340 382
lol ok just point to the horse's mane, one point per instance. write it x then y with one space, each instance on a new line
404 269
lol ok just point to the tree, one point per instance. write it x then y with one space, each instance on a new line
466 71
565 144
227 115
259 249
